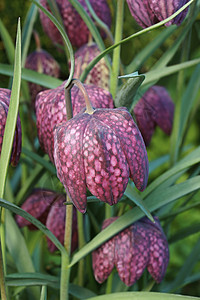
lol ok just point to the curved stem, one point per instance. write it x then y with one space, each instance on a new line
116 52
89 108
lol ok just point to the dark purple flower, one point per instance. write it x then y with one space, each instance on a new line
76 28
141 245
47 206
150 12
4 106
99 75
100 151
51 110
154 108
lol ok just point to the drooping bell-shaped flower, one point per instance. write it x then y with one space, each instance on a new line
150 12
47 206
76 28
4 106
51 110
42 62
99 150
155 108
141 245
99 75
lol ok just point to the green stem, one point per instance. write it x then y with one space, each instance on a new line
108 211
65 274
109 284
2 280
81 243
116 52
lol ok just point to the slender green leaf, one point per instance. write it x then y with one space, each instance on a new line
29 184
135 197
154 75
19 211
191 93
29 279
184 232
43 161
17 248
108 50
27 30
125 95
32 76
188 161
186 269
142 296
12 114
152 202
156 163
7 42
146 52
80 292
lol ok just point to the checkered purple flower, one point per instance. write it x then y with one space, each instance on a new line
141 245
100 151
150 12
4 106
48 207
155 108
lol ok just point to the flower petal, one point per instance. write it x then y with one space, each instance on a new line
106 167
68 139
103 257
121 122
131 253
159 252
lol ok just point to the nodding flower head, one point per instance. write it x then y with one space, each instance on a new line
99 75
51 110
155 108
100 151
150 12
48 207
4 106
141 245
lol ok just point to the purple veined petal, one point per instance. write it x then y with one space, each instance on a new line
142 13
144 121
121 122
165 8
159 250
131 253
38 205
103 257
159 255
106 167
68 139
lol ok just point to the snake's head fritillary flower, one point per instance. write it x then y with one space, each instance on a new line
155 108
42 62
150 12
76 28
4 106
100 151
48 207
51 110
99 75
141 245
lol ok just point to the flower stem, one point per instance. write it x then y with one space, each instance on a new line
89 108
81 243
109 284
116 51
